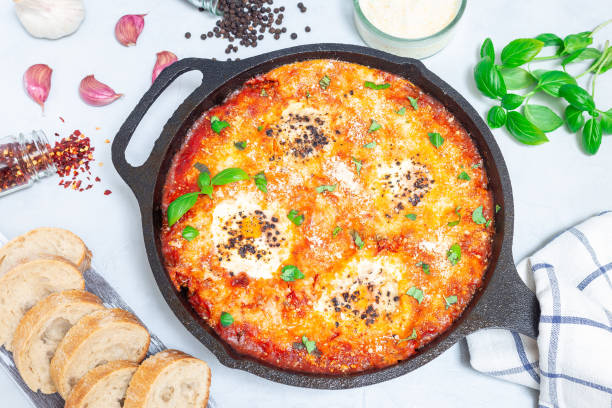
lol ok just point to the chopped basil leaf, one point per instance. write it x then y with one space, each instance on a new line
218 125
477 216
307 94
226 319
240 145
261 182
411 337
436 139
358 164
477 165
190 233
330 188
370 145
402 111
414 102
424 266
454 254
204 180
259 128
377 87
497 208
451 300
415 293
453 223
310 345
263 92
324 82
374 126
412 217
180 206
228 176
357 239
336 231
488 223
295 217
290 273
464 176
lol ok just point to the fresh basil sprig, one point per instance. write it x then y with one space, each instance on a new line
530 127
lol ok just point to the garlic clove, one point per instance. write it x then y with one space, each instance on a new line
128 28
51 19
164 59
95 93
37 82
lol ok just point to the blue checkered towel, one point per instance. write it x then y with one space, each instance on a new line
571 360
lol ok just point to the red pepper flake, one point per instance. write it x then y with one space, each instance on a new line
72 156
62 119
107 192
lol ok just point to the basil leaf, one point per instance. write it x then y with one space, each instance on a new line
412 217
377 87
190 233
574 42
464 176
218 125
259 128
415 293
523 130
497 208
436 139
370 145
226 319
374 126
295 217
577 97
591 136
477 165
207 190
456 222
496 117
488 79
423 266
401 111
180 206
520 51
291 273
323 188
581 55
263 92
357 239
228 176
240 145
203 180
454 254
261 182
450 300
414 102
542 117
358 164
336 231
516 78
324 82
551 81
537 73
550 40
487 50
477 216
411 337
606 122
310 345
512 101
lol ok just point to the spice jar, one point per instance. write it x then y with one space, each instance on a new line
207 5
24 159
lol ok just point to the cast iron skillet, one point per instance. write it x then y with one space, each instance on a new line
504 300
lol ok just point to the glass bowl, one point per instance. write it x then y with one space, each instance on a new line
405 47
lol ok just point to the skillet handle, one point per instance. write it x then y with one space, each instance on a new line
508 303
141 178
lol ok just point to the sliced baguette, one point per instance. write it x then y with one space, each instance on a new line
170 378
44 243
26 284
103 386
100 337
40 331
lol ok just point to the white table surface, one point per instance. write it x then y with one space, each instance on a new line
555 185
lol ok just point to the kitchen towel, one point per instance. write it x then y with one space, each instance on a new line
571 360
97 285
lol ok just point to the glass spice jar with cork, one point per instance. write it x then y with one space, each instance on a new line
24 159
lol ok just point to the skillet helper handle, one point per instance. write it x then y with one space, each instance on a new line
141 178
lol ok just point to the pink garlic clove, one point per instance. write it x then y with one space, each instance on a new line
164 59
96 93
37 82
128 28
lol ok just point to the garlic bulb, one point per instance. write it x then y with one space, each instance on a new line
51 19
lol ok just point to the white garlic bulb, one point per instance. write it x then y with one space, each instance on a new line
50 18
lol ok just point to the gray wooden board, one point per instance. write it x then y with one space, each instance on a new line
97 285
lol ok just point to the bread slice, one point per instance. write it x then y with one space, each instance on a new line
170 378
103 336
103 386
40 331
44 243
26 284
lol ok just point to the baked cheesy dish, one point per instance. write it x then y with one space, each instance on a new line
328 218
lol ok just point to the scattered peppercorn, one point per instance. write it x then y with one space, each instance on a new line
187 35
293 36
307 29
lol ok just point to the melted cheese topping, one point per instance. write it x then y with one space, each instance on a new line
353 300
